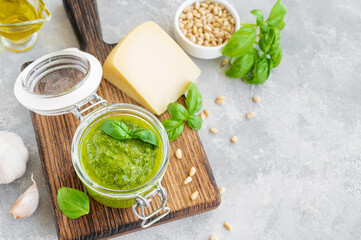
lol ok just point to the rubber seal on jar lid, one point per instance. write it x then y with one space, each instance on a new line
56 82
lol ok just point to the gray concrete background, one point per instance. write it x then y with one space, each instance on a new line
295 172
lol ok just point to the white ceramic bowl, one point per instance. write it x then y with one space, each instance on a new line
193 49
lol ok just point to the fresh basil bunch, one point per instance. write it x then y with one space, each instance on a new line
248 61
175 125
119 130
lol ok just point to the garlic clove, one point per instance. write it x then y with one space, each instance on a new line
27 203
13 157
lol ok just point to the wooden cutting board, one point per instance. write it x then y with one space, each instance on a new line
54 137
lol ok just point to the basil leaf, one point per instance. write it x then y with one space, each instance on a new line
194 99
119 130
259 16
194 122
73 203
280 25
174 128
276 40
116 129
266 40
240 42
177 111
233 59
243 64
248 78
146 135
262 70
276 56
264 28
277 14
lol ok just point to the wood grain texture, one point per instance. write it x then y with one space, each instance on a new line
54 137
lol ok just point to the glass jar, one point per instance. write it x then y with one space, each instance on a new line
45 87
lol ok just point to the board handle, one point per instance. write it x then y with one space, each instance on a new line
84 18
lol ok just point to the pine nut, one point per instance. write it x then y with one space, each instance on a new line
194 29
192 171
227 226
206 112
192 38
207 28
224 62
234 139
255 99
202 115
220 101
188 25
215 11
249 115
196 5
221 97
194 195
188 180
178 153
213 238
213 130
221 190
201 35
189 16
207 37
201 11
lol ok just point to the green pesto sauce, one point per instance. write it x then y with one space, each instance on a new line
120 164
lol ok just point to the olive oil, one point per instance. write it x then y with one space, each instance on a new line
15 12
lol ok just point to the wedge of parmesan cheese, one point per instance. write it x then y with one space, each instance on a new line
150 67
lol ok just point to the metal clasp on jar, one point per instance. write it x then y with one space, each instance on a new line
142 202
94 100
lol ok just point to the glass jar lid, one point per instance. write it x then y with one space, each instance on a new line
55 83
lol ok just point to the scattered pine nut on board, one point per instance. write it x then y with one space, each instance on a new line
192 171
194 195
188 180
178 153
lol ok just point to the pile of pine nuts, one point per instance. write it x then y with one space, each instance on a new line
207 23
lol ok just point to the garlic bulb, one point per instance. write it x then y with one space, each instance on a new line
27 203
13 157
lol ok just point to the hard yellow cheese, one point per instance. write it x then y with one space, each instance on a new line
150 67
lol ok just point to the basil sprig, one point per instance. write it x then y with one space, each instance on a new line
73 203
248 61
174 126
119 130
